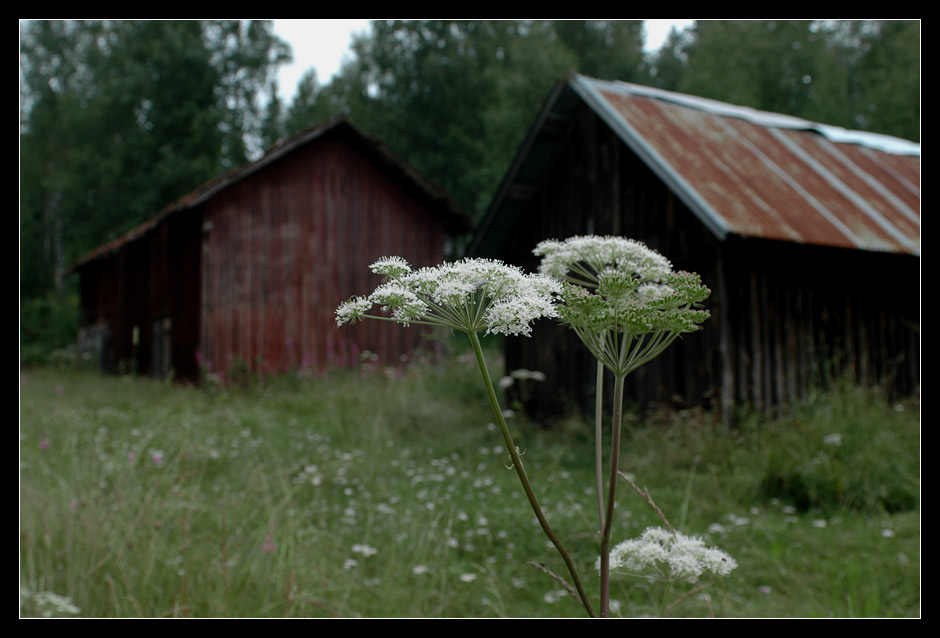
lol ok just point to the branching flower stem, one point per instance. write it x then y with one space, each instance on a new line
627 305
611 495
599 442
645 493
523 477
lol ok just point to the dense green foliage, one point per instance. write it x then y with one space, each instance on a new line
299 498
861 75
120 118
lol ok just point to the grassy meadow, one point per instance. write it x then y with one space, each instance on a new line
386 493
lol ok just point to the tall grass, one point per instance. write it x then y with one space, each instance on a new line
387 494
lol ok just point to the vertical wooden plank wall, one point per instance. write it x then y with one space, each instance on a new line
805 316
785 317
291 242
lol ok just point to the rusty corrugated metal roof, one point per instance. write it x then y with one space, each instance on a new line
747 172
456 220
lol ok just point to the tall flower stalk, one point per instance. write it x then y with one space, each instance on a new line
627 305
470 296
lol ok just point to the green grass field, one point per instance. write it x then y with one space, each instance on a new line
374 494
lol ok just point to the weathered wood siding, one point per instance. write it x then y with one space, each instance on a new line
800 316
243 275
282 248
785 317
147 285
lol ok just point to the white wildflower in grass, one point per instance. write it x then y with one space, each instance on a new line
49 604
660 554
833 439
365 550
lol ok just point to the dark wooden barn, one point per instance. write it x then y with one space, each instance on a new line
807 235
244 273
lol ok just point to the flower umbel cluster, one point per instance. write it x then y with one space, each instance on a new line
663 555
581 259
623 299
471 295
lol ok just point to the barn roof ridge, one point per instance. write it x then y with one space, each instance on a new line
769 119
382 152
741 171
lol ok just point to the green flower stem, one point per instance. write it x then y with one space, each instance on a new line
611 495
598 441
523 478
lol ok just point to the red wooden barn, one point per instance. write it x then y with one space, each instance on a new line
244 273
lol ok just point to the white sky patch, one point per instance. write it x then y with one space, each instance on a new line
658 30
322 44
318 44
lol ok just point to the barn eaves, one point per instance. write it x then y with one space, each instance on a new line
740 171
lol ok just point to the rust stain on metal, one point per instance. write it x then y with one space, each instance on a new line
777 182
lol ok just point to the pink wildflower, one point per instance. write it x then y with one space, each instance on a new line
268 546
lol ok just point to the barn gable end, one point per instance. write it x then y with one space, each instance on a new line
808 237
245 272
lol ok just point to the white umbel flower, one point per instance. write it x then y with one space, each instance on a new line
580 259
352 310
663 555
622 298
390 267
472 295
